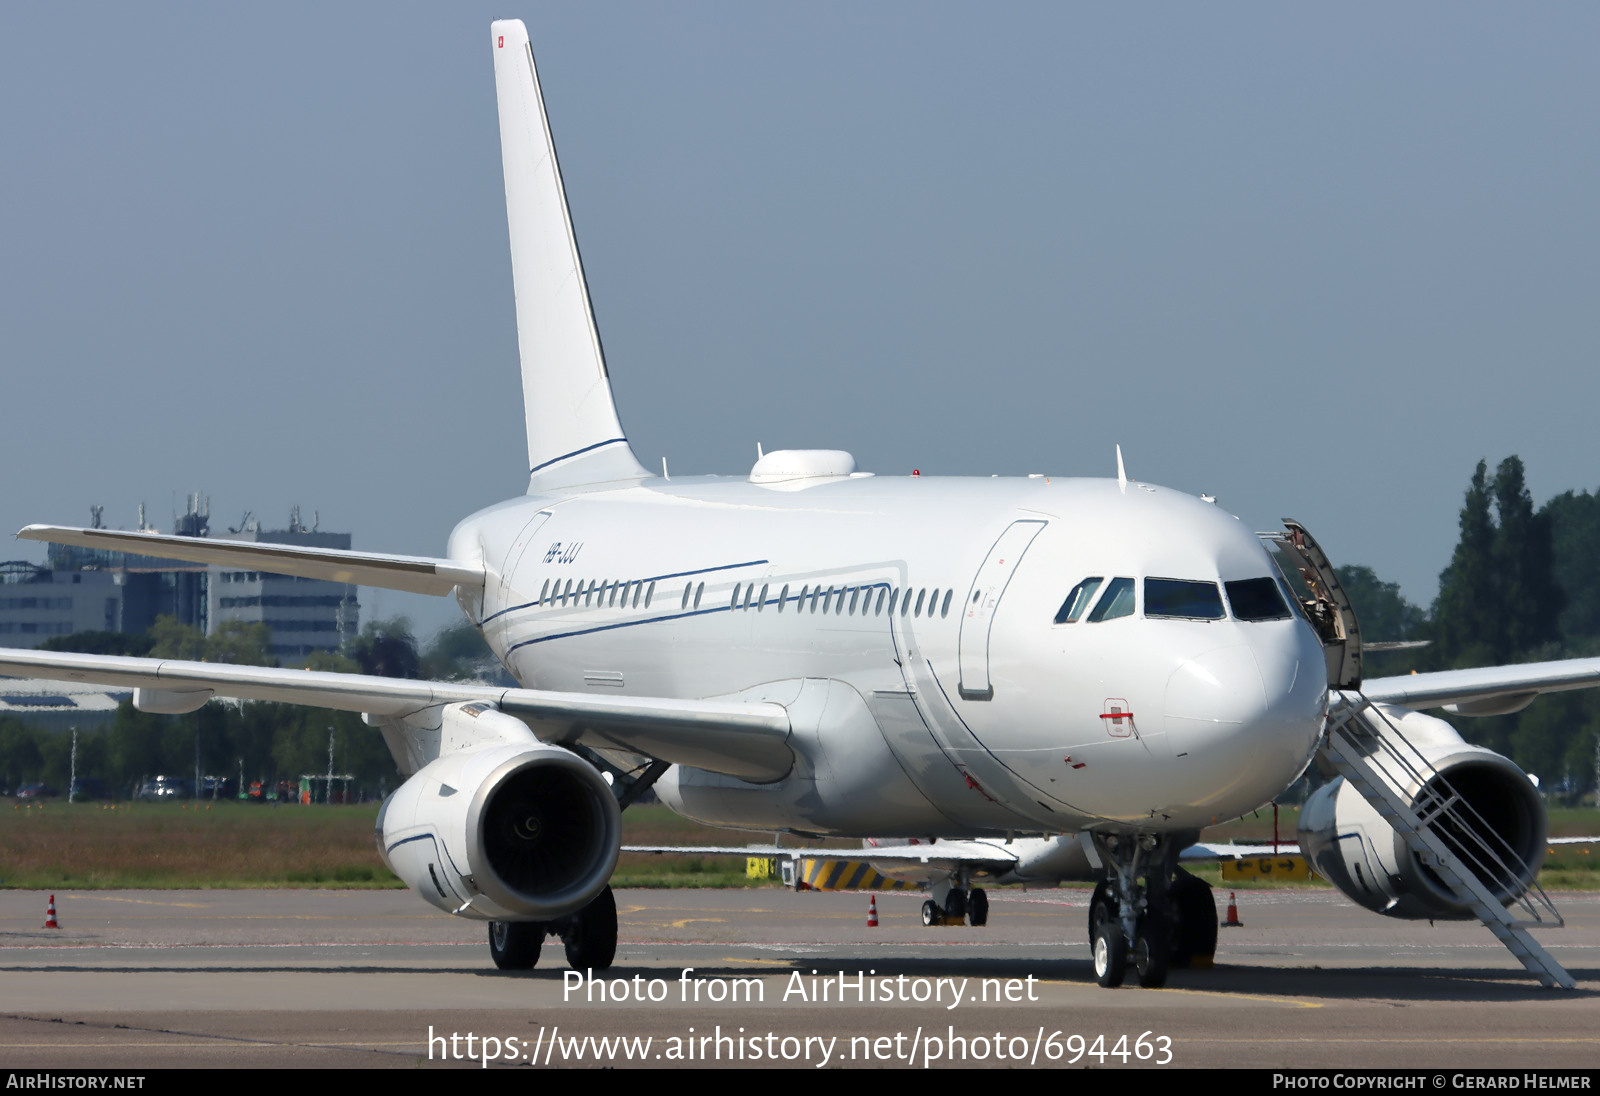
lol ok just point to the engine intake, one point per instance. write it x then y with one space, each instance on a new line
1352 846
522 832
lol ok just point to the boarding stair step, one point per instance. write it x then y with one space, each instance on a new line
1360 754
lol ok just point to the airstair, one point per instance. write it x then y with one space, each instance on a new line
1444 831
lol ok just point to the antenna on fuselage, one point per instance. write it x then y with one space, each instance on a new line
1122 473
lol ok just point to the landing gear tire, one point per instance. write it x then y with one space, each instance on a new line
514 945
1151 954
1194 944
955 906
978 908
1102 908
591 934
1110 955
930 913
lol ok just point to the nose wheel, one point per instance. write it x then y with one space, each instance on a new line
1147 913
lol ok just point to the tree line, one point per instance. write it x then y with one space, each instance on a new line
269 742
1515 590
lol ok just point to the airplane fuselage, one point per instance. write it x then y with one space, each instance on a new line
912 623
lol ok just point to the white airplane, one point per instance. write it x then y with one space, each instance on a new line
1077 674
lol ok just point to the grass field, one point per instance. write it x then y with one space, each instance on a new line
239 845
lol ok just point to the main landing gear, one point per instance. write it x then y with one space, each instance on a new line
1148 913
590 936
952 904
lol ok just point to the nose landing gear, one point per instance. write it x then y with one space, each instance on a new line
1148 912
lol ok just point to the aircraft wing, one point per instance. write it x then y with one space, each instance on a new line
1492 689
747 740
942 857
1203 850
413 574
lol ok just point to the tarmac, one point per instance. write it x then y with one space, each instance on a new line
373 979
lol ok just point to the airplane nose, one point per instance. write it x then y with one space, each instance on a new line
1246 716
1213 696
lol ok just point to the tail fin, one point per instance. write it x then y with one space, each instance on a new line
574 437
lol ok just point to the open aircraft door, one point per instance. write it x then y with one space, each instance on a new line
977 615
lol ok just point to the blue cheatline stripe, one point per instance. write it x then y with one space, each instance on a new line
576 452
618 624
652 578
649 620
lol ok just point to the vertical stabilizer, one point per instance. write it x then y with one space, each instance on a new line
574 437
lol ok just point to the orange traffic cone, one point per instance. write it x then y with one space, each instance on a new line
50 915
872 913
1233 921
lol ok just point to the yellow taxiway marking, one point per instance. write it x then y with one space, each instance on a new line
1421 1037
1292 1002
687 921
220 1042
135 901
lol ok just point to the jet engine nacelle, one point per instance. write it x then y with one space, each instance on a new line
516 832
1351 845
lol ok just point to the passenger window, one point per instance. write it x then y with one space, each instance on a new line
1116 602
882 593
783 596
944 608
1078 600
734 604
1256 599
855 595
761 602
638 588
749 592
611 601
1186 599
687 586
648 594
698 590
920 595
544 594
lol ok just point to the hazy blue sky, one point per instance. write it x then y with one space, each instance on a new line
1314 260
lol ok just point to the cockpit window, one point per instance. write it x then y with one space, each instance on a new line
1078 600
1117 601
1178 597
1256 599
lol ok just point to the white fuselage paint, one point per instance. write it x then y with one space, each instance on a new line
1225 713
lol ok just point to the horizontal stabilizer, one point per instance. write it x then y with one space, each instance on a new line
746 740
414 574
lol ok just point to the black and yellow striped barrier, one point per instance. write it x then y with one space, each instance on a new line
841 875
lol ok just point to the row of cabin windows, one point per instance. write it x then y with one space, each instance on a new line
839 600
1251 599
601 594
855 600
